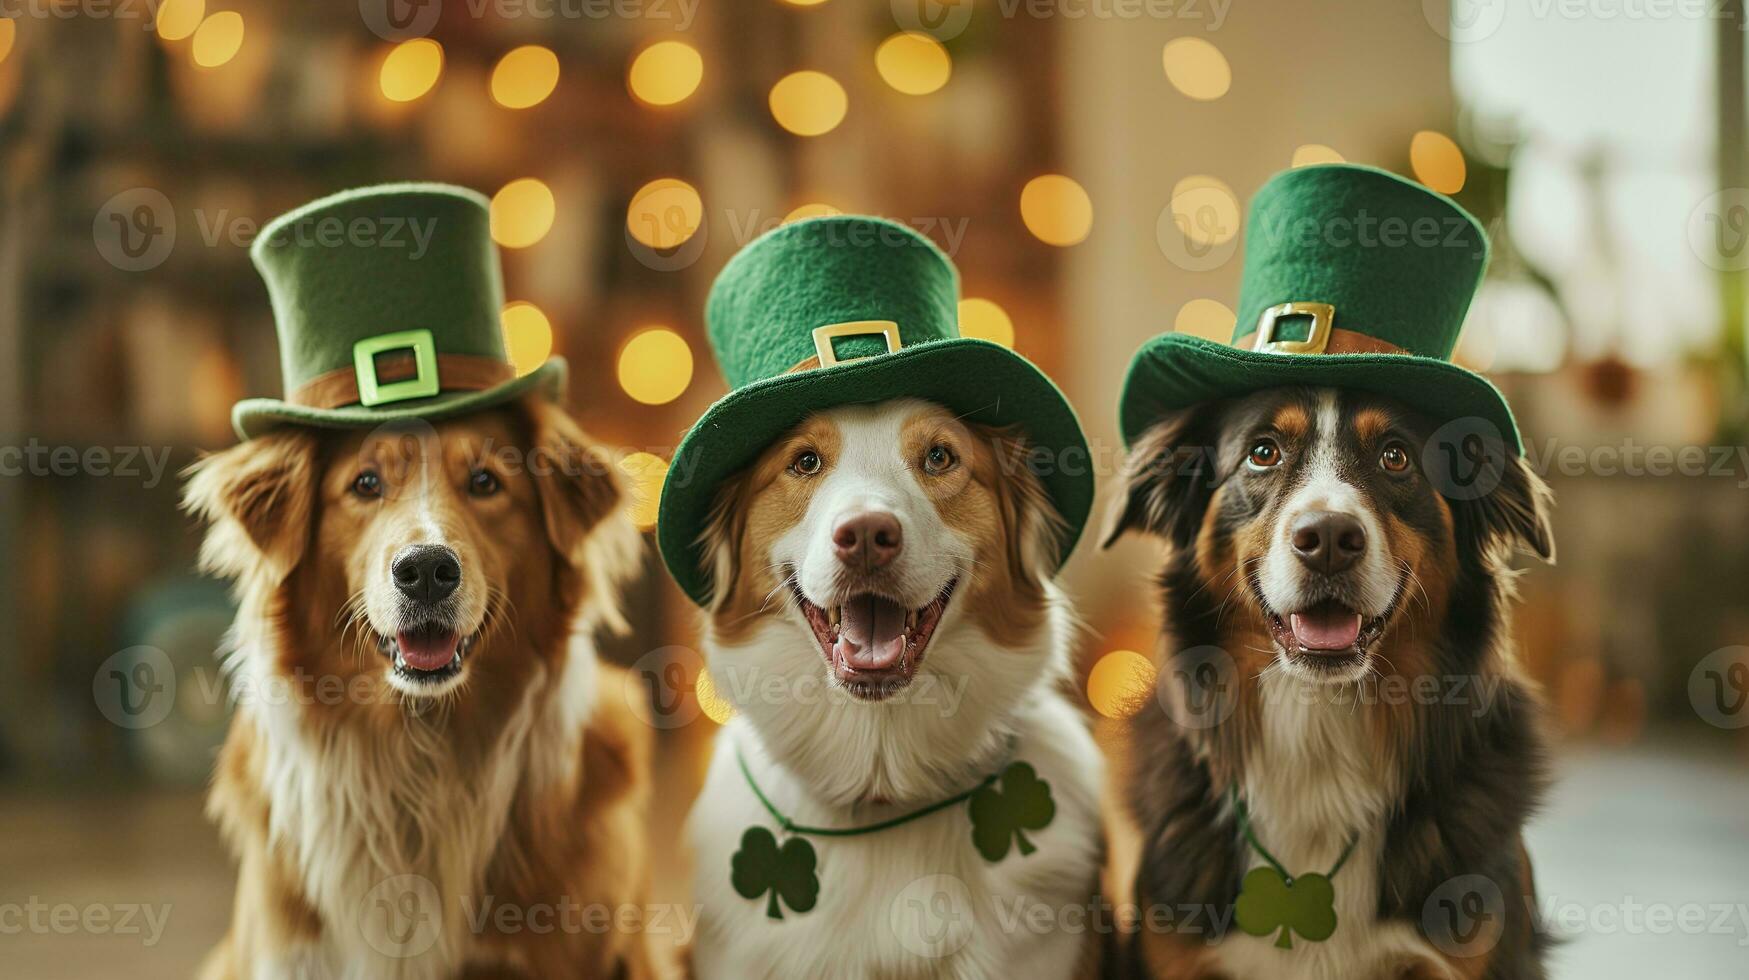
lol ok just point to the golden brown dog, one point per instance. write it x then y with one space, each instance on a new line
429 774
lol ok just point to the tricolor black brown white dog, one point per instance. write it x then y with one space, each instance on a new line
1337 655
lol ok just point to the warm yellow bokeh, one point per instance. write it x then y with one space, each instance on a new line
644 475
410 69
814 210
665 73
655 366
985 320
1437 161
1056 210
1197 68
808 103
1209 319
1120 683
913 63
528 336
714 705
1311 153
218 39
664 213
1206 209
525 77
522 213
178 19
8 34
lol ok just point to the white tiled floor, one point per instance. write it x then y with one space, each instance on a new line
1628 834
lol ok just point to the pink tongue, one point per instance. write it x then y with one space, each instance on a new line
873 633
425 649
1326 628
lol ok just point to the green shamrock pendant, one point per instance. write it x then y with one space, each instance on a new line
1268 900
787 872
1000 815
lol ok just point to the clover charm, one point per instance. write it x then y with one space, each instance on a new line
1000 816
1269 901
786 872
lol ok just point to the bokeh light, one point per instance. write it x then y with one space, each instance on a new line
1206 209
8 34
1056 210
217 39
411 69
913 63
1197 68
714 705
808 103
1209 319
525 77
1311 153
528 336
665 73
1120 683
522 213
664 213
655 366
813 210
1437 161
985 320
644 475
177 19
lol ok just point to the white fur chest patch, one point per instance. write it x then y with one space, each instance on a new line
1314 783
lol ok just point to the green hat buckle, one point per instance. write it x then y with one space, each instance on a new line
387 301
1354 278
846 310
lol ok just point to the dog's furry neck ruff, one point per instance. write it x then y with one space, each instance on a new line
948 728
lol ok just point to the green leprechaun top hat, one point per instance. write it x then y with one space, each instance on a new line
1354 278
387 301
847 310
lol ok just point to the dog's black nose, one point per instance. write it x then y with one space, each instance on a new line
1327 541
869 540
426 572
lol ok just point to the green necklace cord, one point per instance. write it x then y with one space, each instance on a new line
1273 902
1251 838
792 827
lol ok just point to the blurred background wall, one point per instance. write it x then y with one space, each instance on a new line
1086 163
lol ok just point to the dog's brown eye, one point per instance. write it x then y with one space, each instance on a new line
368 485
939 460
481 483
807 463
1395 458
1264 454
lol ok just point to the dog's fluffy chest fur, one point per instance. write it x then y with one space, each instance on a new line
1314 781
916 900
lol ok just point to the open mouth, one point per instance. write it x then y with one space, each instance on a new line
426 654
1328 634
873 644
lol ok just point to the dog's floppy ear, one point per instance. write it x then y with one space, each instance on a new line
721 539
257 499
1166 483
1513 514
1034 529
577 484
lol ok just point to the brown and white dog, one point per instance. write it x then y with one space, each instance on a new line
885 623
423 734
1337 653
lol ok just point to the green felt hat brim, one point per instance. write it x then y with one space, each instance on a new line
254 417
1176 371
981 381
